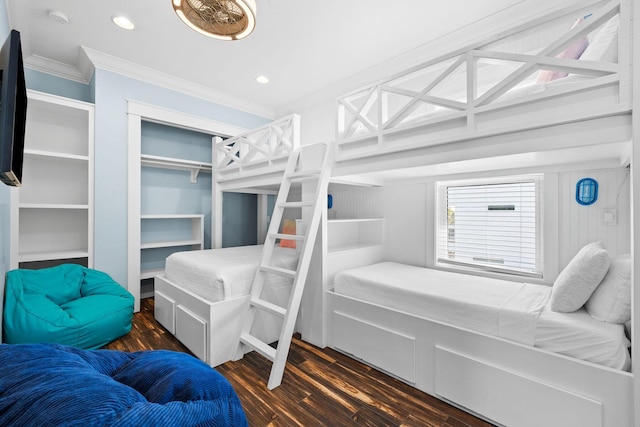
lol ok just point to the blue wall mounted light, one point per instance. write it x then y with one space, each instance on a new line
329 201
586 191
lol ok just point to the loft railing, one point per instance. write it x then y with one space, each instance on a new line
266 148
497 75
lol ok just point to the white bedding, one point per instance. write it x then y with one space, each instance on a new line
514 311
219 274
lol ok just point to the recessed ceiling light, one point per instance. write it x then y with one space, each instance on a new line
123 22
262 79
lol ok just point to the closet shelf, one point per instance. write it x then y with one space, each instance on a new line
170 243
195 167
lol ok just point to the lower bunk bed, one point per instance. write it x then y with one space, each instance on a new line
202 295
492 347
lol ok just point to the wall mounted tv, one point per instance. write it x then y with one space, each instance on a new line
13 110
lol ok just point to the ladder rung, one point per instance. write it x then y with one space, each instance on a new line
287 236
261 347
277 270
304 174
269 307
295 204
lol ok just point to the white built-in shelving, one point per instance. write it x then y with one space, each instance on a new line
349 240
52 212
170 231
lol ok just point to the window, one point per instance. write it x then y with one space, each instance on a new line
492 225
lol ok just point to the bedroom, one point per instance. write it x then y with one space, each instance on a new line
110 86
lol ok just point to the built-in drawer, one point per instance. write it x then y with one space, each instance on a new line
386 349
506 396
191 330
164 311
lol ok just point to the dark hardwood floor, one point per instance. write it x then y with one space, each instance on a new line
321 387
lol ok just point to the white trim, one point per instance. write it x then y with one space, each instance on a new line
120 66
137 113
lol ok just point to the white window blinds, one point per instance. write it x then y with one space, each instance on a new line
491 225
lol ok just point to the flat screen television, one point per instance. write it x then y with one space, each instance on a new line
13 110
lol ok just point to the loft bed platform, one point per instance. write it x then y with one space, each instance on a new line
256 159
510 94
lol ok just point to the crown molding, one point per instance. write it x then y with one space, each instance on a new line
55 68
95 59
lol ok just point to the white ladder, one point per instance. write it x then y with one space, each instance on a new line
319 202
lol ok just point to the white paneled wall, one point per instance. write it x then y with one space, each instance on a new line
356 202
409 209
580 225
406 218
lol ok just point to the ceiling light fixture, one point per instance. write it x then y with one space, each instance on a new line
123 22
262 79
220 19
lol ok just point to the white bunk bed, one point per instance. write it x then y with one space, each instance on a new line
404 123
202 294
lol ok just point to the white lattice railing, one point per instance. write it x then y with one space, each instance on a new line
264 149
460 87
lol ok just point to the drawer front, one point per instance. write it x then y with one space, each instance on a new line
191 330
164 311
388 350
507 397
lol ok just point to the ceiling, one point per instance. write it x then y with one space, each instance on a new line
306 48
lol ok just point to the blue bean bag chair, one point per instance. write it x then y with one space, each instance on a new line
56 385
67 304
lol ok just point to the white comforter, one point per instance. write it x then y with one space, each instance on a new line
514 311
495 307
219 274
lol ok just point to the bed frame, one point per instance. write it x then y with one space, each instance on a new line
502 381
252 162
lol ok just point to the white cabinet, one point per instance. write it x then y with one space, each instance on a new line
52 212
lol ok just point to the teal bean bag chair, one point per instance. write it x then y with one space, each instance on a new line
67 304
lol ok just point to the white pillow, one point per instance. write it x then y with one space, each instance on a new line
579 279
604 46
611 301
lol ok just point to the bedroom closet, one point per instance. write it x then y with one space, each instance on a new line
170 189
175 196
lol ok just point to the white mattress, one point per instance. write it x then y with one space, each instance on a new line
515 311
219 274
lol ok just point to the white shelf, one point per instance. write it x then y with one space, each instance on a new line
52 212
52 206
55 155
354 233
331 250
150 274
352 220
170 244
52 255
171 216
194 167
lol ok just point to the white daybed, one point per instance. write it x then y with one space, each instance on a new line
403 123
466 354
202 294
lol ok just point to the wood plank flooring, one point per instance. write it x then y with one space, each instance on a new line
321 387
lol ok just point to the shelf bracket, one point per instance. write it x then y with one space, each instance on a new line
194 175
